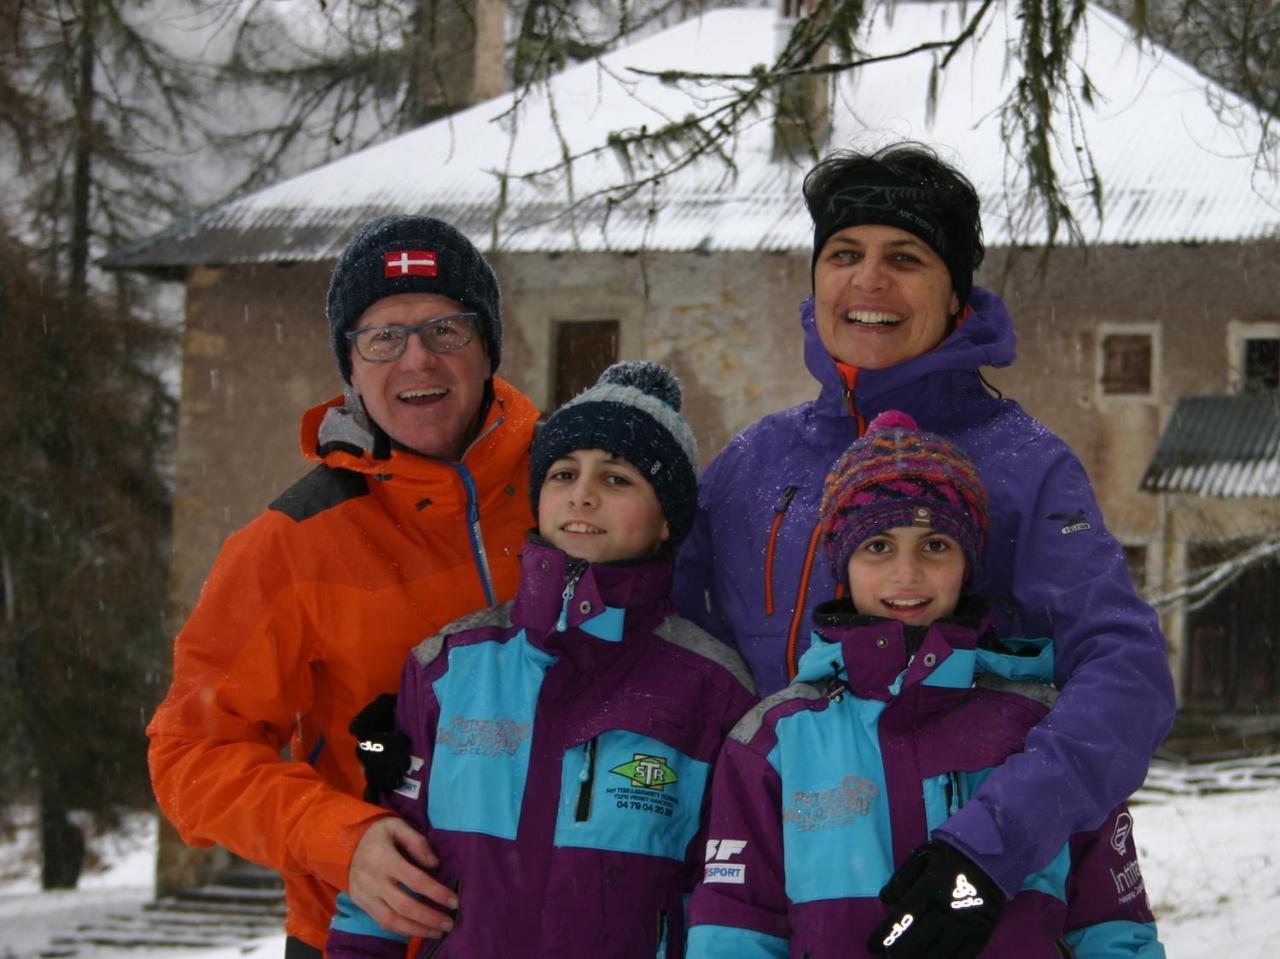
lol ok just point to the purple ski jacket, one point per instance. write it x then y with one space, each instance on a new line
752 571
827 786
562 746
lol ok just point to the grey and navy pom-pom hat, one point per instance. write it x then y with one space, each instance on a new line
633 411
411 254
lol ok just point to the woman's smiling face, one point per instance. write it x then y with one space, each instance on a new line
882 296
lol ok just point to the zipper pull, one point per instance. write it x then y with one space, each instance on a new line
788 494
586 779
576 568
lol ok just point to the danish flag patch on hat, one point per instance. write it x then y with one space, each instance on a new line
410 263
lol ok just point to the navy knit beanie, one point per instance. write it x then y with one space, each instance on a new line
633 411
411 254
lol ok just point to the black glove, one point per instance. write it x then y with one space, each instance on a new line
941 906
382 749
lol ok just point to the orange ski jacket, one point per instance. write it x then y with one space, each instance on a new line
308 614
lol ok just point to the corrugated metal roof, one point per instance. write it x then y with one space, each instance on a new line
1223 445
1171 170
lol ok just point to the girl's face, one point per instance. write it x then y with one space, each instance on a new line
908 573
882 296
598 507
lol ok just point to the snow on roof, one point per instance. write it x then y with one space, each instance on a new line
1171 169
1219 445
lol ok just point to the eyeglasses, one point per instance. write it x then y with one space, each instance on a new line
444 334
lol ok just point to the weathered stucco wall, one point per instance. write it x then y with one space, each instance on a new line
255 354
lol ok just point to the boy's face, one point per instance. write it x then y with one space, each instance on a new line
597 507
908 573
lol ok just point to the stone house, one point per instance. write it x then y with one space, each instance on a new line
702 267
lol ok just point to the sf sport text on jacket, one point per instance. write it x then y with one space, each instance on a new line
308 614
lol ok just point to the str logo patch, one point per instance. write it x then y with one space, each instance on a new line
651 772
1072 522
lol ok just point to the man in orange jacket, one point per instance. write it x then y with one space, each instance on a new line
415 515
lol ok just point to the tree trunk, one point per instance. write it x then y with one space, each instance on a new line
78 265
61 842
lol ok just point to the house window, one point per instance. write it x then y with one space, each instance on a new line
1135 557
1261 365
1126 364
583 350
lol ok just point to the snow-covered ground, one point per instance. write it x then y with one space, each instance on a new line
1212 866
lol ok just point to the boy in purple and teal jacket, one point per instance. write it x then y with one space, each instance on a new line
562 743
827 794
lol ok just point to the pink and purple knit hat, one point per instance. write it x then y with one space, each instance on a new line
899 475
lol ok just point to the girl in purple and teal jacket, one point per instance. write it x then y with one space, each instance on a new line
827 795
562 743
896 323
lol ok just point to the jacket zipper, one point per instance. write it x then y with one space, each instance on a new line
575 568
586 782
779 512
438 944
477 537
802 593
850 401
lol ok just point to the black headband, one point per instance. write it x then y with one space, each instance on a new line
916 208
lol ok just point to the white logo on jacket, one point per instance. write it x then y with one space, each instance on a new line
1120 835
964 895
410 787
718 869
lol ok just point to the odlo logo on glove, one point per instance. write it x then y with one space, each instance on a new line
964 895
899 927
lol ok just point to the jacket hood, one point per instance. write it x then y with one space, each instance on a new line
984 337
335 434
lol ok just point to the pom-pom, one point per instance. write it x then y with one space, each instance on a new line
651 378
892 420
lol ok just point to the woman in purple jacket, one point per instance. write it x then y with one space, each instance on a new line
896 323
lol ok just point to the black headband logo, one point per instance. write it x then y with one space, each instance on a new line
854 203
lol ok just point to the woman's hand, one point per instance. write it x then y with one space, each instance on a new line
941 906
387 880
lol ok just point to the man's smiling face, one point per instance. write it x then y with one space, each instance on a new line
428 402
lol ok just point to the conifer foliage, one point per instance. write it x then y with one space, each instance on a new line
84 513
87 105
